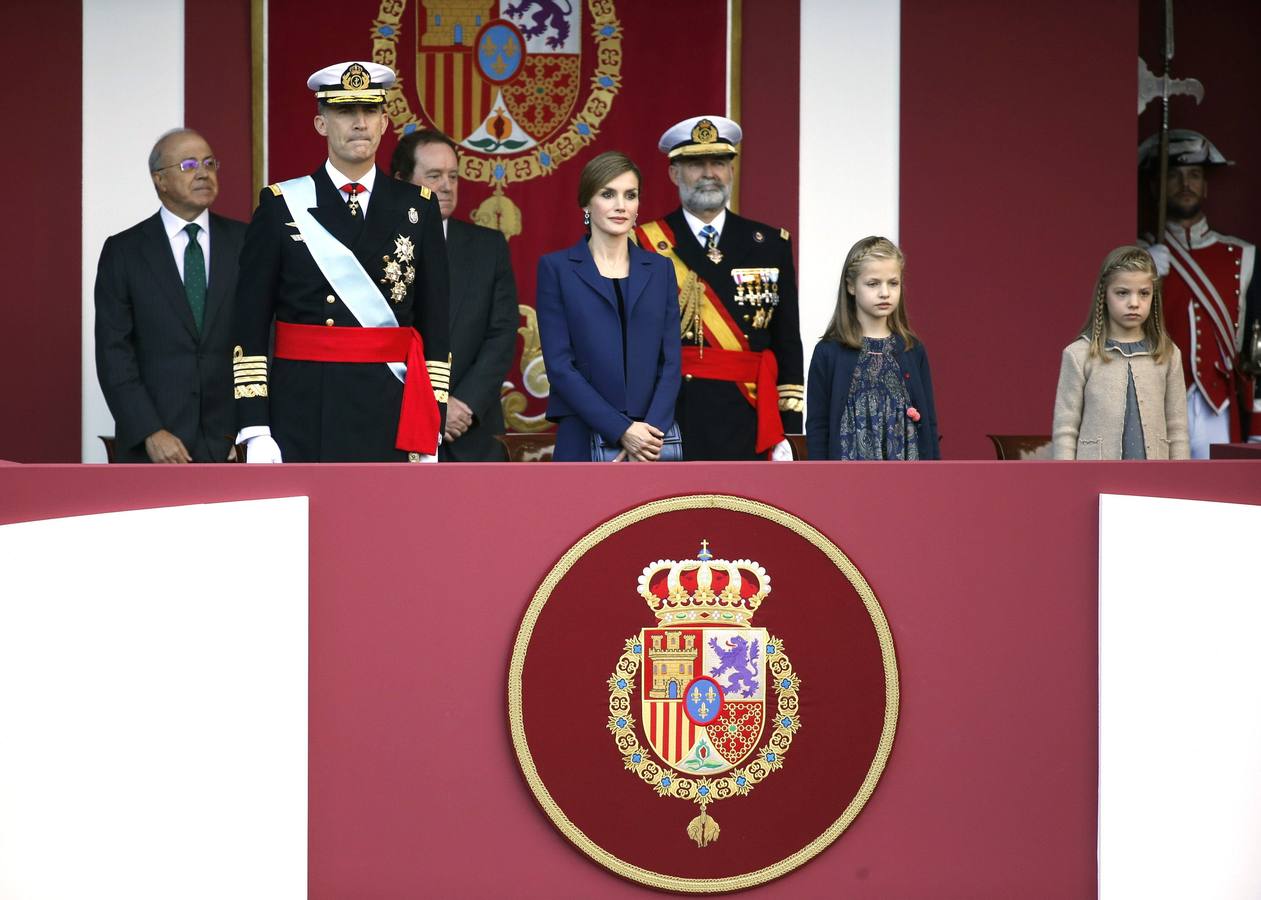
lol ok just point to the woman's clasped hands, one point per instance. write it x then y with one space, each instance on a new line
640 442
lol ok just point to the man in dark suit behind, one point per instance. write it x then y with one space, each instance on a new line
163 310
483 304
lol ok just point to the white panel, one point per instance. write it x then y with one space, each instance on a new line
1179 699
848 180
153 704
133 90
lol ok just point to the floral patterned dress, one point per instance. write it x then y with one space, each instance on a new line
875 424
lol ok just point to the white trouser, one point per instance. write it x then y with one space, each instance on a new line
1204 426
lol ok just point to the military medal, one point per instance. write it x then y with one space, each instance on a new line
711 249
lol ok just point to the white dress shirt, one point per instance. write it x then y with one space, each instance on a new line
696 224
178 237
365 185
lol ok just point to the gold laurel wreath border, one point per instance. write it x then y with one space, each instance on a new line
787 704
523 167
517 725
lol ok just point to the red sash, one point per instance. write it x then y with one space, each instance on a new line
743 366
418 419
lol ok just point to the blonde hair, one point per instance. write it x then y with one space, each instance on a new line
844 327
1130 258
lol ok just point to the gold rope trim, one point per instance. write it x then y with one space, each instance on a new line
521 645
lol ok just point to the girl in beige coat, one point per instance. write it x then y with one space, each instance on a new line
1121 394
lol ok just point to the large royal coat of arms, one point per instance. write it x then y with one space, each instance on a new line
701 681
651 696
504 79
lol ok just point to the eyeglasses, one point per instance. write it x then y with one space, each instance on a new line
210 164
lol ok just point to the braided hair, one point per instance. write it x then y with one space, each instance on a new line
844 327
1130 258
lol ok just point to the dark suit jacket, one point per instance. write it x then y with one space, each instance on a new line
827 392
155 370
582 346
338 411
484 320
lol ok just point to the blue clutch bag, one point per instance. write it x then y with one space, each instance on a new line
671 447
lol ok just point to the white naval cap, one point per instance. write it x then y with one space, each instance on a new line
351 82
1186 148
701 136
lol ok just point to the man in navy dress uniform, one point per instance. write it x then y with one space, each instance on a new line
349 264
743 384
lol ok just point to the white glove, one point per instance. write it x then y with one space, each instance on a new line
782 452
427 457
262 448
1160 256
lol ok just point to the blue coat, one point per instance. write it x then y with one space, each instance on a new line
591 389
827 391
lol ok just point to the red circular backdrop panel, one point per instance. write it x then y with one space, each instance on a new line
575 632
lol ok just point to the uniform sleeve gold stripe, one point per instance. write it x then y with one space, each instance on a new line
250 367
792 390
249 379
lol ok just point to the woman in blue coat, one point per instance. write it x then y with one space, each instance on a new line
609 322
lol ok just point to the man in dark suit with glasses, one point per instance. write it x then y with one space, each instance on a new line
163 296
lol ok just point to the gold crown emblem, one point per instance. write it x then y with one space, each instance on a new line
704 132
704 591
355 78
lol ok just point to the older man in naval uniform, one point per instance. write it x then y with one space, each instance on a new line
350 265
742 363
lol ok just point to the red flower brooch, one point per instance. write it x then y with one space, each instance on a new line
912 413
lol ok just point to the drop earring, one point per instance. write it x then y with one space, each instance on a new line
586 217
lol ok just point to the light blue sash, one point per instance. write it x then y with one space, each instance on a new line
339 265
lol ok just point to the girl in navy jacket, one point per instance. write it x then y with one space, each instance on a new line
869 394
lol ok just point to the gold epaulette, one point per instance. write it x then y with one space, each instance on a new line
275 189
249 374
440 378
425 192
792 397
783 232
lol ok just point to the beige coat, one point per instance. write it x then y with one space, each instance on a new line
1090 404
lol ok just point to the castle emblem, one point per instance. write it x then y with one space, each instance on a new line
699 681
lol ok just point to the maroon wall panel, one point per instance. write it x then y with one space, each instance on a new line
40 254
1215 42
217 94
770 84
1017 178
987 573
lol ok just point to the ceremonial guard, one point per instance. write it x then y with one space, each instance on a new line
742 364
350 265
1208 288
